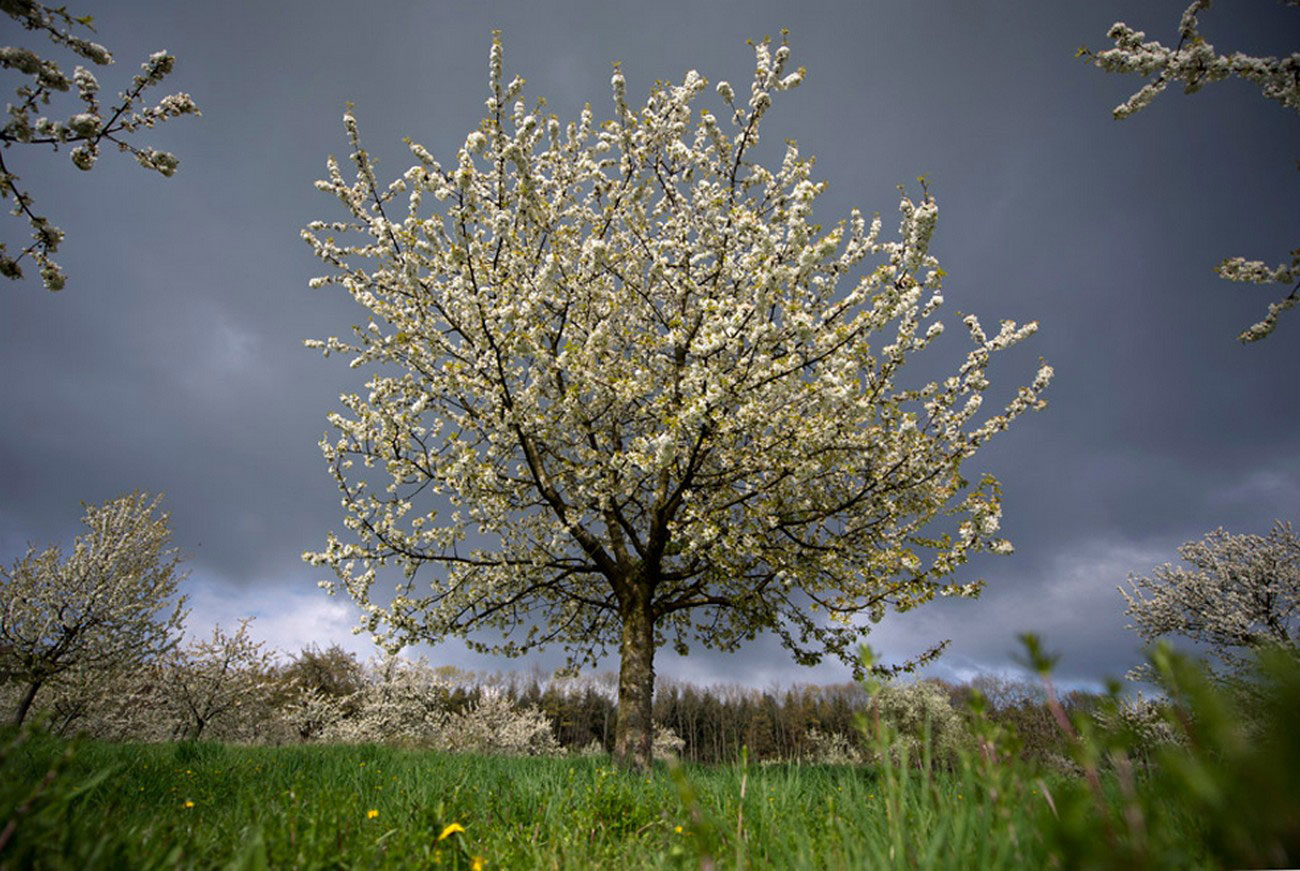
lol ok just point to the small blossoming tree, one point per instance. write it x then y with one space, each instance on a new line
1237 593
663 400
111 604
217 681
83 132
1194 62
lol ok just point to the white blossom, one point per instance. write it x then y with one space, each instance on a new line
829 748
94 125
403 702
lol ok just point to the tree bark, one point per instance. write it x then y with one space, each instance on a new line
633 725
25 704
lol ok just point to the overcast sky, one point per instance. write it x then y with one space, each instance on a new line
173 360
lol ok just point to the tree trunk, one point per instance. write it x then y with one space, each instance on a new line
633 724
25 704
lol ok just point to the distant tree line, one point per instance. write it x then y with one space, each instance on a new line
230 688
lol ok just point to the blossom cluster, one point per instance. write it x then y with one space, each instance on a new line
1146 719
830 748
1257 272
1194 62
84 131
400 701
493 724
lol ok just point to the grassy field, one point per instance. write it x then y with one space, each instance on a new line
215 806
1222 794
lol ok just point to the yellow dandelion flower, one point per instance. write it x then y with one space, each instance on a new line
476 864
677 829
189 804
451 830
372 813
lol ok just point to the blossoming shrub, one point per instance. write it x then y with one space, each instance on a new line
121 705
220 684
666 744
830 748
403 702
109 605
494 725
409 702
591 749
1236 594
1147 722
917 709
308 712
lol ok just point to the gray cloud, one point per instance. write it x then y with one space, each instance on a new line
173 360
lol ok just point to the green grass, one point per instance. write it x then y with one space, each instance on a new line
312 807
1223 795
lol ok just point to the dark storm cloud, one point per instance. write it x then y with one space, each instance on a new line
173 359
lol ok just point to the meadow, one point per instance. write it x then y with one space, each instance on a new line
1219 795
208 805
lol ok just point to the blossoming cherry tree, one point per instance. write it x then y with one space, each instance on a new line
627 393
